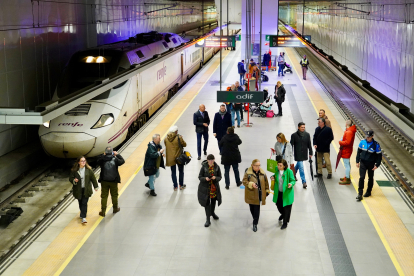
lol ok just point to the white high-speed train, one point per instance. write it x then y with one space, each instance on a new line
111 117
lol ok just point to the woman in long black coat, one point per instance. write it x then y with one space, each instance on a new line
230 156
209 189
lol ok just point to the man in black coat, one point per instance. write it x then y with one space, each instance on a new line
301 143
230 155
109 178
321 142
222 121
280 93
201 121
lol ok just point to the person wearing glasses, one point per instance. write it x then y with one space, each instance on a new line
256 190
82 178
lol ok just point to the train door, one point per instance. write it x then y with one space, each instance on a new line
139 95
182 64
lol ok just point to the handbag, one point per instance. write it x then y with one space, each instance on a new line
292 168
271 164
270 114
150 171
280 157
185 157
272 185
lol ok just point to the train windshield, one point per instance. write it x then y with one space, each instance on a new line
84 69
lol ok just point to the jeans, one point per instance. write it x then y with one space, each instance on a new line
284 211
320 155
280 71
255 211
205 136
299 166
347 164
227 173
241 79
106 188
363 169
152 178
180 174
233 113
228 107
83 204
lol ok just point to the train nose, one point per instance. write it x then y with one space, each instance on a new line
68 145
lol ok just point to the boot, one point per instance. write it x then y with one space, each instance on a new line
367 194
345 181
153 193
359 197
215 216
102 213
329 176
116 210
208 223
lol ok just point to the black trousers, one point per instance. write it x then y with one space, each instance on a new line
211 205
363 169
255 210
279 107
83 204
284 211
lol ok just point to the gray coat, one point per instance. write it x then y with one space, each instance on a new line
288 152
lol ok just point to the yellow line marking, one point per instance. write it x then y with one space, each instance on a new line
78 247
367 208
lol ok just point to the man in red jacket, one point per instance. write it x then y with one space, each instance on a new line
347 145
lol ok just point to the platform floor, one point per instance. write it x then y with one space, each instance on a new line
329 232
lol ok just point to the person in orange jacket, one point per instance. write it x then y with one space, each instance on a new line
347 145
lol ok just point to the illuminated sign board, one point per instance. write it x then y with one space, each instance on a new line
285 41
214 41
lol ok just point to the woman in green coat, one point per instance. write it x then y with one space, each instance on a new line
282 185
81 176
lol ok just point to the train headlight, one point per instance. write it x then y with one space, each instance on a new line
105 120
46 124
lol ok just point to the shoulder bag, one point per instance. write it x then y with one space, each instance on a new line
185 157
280 157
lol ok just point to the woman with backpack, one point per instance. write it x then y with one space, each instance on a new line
82 178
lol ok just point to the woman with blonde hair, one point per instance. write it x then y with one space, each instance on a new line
283 149
82 178
256 190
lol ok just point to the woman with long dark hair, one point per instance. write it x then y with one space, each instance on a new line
81 176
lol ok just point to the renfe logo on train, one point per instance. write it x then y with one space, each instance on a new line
162 72
70 124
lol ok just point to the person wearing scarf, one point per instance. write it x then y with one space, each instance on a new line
209 189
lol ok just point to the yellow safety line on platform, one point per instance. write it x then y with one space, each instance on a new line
62 250
386 221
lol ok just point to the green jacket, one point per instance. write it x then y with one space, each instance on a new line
287 192
152 157
77 186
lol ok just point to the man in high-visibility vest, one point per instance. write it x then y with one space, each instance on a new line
305 63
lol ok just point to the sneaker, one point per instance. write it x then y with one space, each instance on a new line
359 197
102 214
199 158
367 194
183 187
238 126
175 189
84 220
305 185
329 176
152 192
342 178
117 210
345 181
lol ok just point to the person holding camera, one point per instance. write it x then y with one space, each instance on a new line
109 178
173 148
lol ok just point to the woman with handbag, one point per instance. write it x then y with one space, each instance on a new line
174 147
82 178
282 185
209 189
284 151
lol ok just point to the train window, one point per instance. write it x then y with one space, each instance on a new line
140 54
165 44
174 40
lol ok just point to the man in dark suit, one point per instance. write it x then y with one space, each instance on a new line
201 121
222 120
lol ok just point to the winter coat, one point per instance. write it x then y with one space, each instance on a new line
327 121
281 60
288 152
230 153
323 138
240 68
77 186
301 145
198 121
288 194
251 65
151 156
266 59
172 149
251 195
220 125
281 92
347 143
369 154
109 168
203 192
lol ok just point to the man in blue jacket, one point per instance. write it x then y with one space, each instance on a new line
368 159
201 120
241 70
222 121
